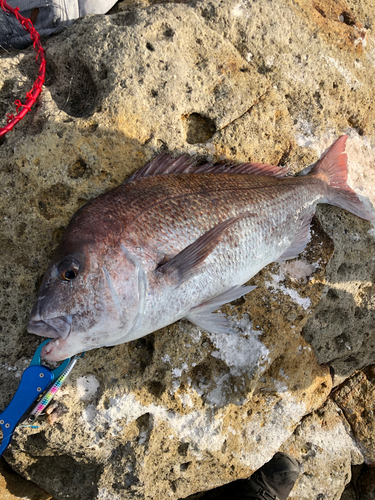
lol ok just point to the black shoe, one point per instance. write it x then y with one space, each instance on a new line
274 480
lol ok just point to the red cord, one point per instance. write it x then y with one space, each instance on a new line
31 96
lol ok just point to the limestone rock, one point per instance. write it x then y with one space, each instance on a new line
356 398
181 410
325 447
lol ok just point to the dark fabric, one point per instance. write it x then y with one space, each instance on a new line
273 481
52 17
277 477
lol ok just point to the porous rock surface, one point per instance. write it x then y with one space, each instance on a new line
182 410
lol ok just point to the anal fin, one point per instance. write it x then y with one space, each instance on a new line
203 316
300 240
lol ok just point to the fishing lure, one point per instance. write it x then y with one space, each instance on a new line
47 398
36 380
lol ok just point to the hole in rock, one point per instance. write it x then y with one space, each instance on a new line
168 33
124 19
50 201
144 422
332 294
355 122
263 69
347 18
183 449
156 388
73 88
79 169
198 128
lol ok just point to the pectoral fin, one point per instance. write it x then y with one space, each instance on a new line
184 265
203 316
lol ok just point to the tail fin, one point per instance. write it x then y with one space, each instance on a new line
333 169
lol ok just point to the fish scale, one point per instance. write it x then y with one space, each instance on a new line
230 263
178 240
200 211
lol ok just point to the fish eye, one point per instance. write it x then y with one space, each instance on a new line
68 269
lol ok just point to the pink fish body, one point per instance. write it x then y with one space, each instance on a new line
177 241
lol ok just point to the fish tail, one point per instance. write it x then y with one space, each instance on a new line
332 168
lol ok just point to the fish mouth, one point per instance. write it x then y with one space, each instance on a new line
54 350
55 328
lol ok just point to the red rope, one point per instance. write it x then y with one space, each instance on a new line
33 94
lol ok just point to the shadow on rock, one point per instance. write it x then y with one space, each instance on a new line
341 331
13 484
43 184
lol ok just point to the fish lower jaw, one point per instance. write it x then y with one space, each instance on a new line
54 350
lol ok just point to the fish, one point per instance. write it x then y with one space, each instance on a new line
178 240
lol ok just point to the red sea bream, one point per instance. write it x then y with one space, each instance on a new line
177 241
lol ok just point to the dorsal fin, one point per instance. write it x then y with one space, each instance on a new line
165 164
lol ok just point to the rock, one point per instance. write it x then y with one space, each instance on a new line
356 398
14 487
181 410
321 74
324 445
